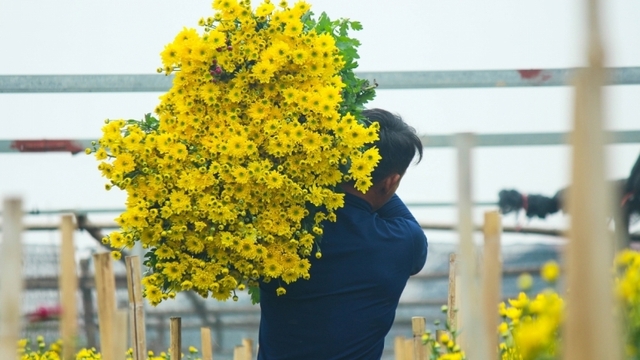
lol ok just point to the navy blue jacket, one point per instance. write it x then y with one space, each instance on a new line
347 307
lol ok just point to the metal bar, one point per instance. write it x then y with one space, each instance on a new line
429 141
490 78
44 145
527 139
385 79
84 83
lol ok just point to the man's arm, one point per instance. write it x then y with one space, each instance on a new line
396 209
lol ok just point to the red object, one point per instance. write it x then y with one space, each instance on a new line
46 145
534 74
44 313
529 74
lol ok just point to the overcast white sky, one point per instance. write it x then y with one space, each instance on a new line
126 37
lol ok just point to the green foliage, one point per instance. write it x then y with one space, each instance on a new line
254 292
357 92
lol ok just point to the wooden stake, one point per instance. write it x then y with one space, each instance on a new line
238 353
439 334
106 290
87 305
408 349
122 333
451 297
247 344
491 278
205 343
418 325
590 332
398 348
136 308
11 281
472 318
460 333
175 338
68 284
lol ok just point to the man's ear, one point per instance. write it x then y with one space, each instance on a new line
390 183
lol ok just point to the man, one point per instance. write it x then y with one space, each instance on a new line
346 308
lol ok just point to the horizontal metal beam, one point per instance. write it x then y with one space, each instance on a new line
526 139
384 79
429 141
44 145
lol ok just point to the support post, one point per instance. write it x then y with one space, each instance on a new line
121 333
472 318
87 305
136 308
238 353
398 348
106 290
205 343
491 278
247 344
590 331
408 349
68 283
451 296
175 337
460 333
11 281
418 325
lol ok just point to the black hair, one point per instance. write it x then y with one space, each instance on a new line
397 143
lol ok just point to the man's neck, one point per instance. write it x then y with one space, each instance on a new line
368 196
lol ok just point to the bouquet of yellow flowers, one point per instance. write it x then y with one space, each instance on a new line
232 178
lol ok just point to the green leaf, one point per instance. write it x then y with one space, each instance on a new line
254 291
324 24
356 25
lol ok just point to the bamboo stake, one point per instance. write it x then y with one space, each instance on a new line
136 308
491 278
439 334
106 290
68 283
398 348
460 334
408 349
418 325
590 331
451 297
472 318
175 338
87 305
11 281
121 333
205 343
238 352
247 344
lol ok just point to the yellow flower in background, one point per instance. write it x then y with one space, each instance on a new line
550 271
525 281
520 302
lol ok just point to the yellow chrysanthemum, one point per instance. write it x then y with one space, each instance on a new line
248 145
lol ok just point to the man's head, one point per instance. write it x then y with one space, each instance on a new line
397 145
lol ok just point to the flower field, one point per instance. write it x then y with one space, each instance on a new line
531 327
